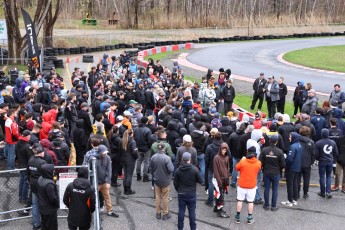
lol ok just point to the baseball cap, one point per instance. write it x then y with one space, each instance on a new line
216 115
26 133
108 83
119 118
186 156
127 113
187 138
191 112
274 138
213 110
133 102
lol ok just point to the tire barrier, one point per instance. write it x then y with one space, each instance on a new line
88 58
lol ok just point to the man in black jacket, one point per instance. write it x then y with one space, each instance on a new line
48 198
150 101
258 87
79 197
308 158
186 177
282 95
85 116
34 172
272 160
210 153
228 94
142 136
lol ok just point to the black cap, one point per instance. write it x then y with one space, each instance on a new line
26 133
274 138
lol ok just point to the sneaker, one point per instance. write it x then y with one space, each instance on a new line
266 207
250 220
138 177
152 187
120 177
260 201
274 209
102 210
115 185
222 214
37 227
166 216
129 192
305 195
210 204
294 202
287 203
328 195
233 185
343 190
237 219
170 198
158 216
113 214
334 188
24 213
320 194
206 191
146 179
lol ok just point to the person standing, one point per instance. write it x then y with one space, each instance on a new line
293 167
282 95
326 151
12 136
258 87
48 198
186 177
79 197
271 90
272 160
162 169
248 167
129 156
142 136
337 97
308 158
310 105
228 94
340 166
33 173
220 179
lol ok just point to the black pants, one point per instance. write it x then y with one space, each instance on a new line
281 105
220 199
291 184
49 222
257 97
116 166
305 172
227 107
128 171
297 106
271 107
71 227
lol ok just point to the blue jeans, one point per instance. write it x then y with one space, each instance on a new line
268 180
36 217
201 160
234 172
210 187
258 187
325 171
23 186
11 155
186 200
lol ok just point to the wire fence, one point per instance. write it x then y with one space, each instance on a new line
12 209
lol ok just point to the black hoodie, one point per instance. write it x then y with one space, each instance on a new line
48 197
186 177
79 197
61 151
326 149
211 152
234 141
80 140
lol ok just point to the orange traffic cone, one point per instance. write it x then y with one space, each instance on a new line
109 60
67 61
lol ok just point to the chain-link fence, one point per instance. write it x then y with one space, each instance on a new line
13 209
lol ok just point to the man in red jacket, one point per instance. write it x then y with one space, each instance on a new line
12 135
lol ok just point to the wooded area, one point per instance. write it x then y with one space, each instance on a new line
209 13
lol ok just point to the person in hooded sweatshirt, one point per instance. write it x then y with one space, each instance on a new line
61 150
79 197
80 141
46 126
48 198
249 168
293 167
187 146
185 180
199 138
221 178
210 152
37 112
47 151
326 151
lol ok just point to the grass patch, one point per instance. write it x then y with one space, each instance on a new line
323 57
166 55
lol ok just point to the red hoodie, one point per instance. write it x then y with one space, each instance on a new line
46 125
53 114
11 131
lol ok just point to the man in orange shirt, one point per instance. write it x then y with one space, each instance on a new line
249 168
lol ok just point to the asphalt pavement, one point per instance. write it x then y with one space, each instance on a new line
250 58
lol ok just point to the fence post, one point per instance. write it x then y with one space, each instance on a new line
94 182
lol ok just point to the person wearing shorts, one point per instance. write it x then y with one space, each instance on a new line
248 167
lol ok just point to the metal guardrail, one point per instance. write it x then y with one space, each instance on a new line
10 207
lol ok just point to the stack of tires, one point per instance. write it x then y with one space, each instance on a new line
87 58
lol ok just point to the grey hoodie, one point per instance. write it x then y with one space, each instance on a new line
103 165
162 169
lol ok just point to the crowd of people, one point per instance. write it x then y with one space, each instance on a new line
152 124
